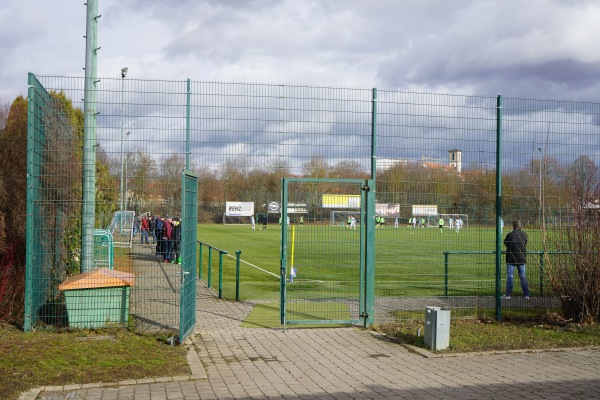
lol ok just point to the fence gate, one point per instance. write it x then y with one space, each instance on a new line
189 221
326 261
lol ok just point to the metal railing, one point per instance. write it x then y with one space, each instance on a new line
209 271
447 268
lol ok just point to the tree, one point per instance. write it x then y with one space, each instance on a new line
169 183
316 167
13 149
141 171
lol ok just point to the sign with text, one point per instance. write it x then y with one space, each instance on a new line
297 208
239 209
341 201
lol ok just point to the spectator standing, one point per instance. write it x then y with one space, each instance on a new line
516 255
176 251
144 228
158 228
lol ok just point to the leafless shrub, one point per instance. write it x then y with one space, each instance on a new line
575 272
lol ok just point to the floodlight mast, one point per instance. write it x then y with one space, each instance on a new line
88 209
123 75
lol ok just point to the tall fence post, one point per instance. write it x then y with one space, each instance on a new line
498 204
188 124
237 274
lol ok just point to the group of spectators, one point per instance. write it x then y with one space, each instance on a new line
165 233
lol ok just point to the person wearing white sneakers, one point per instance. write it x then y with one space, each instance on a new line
516 255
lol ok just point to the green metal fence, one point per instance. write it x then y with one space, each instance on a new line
429 155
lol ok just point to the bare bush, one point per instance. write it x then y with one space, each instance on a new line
575 272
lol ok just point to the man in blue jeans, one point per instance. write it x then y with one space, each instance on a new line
516 255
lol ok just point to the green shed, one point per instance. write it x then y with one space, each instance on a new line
98 298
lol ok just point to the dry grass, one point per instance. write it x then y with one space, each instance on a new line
34 359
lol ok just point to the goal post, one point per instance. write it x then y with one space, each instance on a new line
236 219
340 217
121 228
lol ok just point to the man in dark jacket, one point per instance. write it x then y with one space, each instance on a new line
516 255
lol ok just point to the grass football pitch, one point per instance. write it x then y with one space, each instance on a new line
408 262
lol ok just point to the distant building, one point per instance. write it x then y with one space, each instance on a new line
383 164
455 159
454 162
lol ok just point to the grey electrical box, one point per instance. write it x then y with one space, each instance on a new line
437 328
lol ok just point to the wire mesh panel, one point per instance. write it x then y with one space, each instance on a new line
324 266
138 197
551 184
451 172
435 193
53 209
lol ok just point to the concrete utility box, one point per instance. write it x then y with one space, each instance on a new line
437 328
97 298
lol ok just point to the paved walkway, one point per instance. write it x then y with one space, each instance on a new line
230 362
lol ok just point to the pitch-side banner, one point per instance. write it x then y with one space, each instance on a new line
292 208
424 210
341 201
239 209
387 210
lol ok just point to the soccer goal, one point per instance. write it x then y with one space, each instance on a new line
121 228
340 218
449 220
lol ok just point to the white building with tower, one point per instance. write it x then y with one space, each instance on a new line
455 159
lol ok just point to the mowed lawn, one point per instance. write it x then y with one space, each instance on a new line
408 262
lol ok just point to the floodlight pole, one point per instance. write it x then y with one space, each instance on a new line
540 185
126 198
88 209
123 75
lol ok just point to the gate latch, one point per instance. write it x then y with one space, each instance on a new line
366 188
364 315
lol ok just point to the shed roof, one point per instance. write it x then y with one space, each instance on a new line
98 278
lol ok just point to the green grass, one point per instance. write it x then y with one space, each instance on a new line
34 359
488 335
408 262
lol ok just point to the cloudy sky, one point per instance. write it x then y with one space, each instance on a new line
534 48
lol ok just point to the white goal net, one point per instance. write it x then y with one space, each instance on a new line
451 221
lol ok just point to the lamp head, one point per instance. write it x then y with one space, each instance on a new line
124 72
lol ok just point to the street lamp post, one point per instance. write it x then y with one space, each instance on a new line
123 75
126 175
540 186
